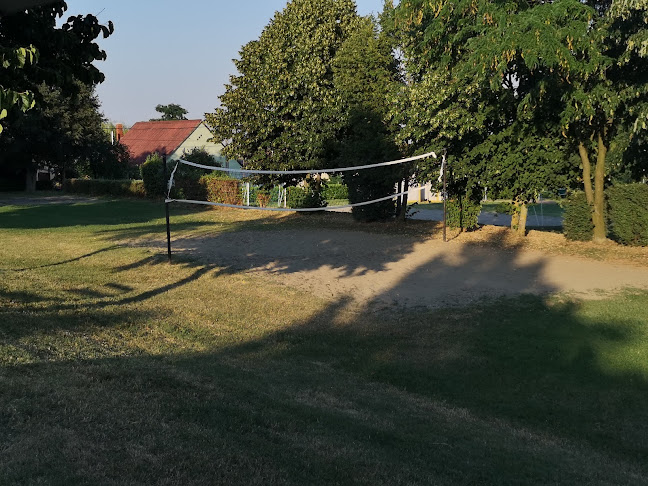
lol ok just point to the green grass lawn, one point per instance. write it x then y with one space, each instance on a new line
118 368
548 208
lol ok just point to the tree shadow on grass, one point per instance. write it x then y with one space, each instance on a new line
454 397
100 213
517 390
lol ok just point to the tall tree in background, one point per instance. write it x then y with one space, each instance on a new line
541 71
65 67
280 111
170 112
365 75
586 61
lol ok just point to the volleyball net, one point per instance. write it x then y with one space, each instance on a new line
294 173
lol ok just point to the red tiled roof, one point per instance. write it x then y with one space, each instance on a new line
145 138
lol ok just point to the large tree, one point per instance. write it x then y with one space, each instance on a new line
366 75
567 69
171 112
65 67
451 102
280 110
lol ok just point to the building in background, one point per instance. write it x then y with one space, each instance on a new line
173 138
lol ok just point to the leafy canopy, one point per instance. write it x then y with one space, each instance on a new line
281 110
170 112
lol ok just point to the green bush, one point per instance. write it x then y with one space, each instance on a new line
221 190
370 185
106 187
335 191
577 218
462 212
628 213
305 197
153 176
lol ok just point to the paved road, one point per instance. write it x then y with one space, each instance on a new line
494 219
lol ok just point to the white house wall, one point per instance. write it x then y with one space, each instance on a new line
198 139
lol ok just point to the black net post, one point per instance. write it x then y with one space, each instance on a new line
166 204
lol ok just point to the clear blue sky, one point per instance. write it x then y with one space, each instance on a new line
170 51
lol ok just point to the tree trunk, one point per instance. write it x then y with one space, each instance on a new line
522 219
515 217
598 216
587 173
30 180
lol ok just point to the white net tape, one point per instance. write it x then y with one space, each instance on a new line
308 171
292 172
303 210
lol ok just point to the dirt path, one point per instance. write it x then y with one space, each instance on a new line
386 270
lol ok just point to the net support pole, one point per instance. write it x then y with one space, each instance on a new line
445 196
166 205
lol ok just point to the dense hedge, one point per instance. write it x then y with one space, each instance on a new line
335 191
628 213
305 197
463 213
153 176
577 218
221 190
105 187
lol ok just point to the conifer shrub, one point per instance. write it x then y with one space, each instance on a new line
153 176
577 218
463 212
628 213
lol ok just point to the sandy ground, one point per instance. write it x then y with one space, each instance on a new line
381 270
392 270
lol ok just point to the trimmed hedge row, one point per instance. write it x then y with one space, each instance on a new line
221 190
577 218
335 191
627 215
304 197
106 187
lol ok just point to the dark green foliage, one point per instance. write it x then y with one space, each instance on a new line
305 197
335 191
153 176
279 111
365 76
170 112
463 212
106 187
187 179
44 185
577 218
628 213
65 124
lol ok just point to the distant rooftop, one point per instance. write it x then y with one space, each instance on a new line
163 137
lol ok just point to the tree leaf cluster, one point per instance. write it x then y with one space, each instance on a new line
56 78
282 108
